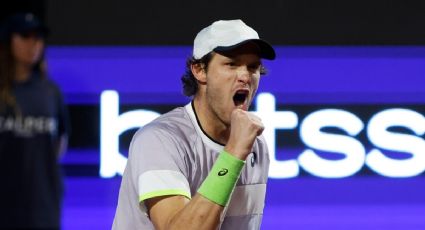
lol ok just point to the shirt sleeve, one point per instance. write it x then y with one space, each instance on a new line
157 163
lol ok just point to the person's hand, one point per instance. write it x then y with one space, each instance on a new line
244 129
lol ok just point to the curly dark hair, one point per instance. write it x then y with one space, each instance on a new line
190 84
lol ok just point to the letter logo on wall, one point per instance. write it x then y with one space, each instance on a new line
112 124
354 154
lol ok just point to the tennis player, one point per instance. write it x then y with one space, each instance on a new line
204 165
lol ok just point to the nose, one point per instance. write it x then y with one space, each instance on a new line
244 75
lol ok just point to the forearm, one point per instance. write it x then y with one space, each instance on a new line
199 213
178 212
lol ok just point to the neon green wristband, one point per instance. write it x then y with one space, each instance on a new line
220 182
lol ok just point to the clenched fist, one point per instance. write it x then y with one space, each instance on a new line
244 128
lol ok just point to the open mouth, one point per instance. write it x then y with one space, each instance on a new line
240 97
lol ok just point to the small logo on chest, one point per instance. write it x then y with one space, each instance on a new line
253 159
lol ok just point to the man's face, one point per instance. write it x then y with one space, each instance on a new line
232 80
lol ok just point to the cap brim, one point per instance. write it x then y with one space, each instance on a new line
42 30
266 50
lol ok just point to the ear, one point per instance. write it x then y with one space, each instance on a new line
199 73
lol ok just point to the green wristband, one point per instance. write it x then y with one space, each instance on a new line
220 182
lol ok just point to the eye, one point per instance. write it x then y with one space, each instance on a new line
254 67
231 64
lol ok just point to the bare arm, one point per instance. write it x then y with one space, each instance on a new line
178 212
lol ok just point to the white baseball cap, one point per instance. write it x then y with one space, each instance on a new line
226 35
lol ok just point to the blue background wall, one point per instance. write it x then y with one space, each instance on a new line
361 80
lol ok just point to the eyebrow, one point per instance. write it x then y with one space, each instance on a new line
237 58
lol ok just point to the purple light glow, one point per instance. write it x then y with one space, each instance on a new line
299 75
306 203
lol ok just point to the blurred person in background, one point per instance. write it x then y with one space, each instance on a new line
33 129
